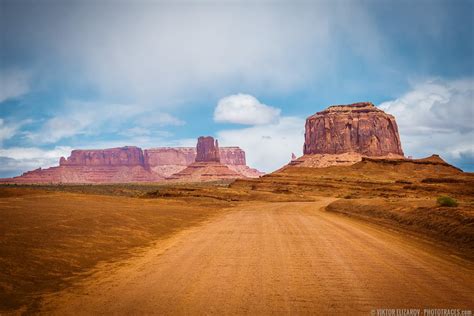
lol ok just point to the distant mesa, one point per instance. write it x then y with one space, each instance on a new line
208 166
132 164
123 156
340 135
207 150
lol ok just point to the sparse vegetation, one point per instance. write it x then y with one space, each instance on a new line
447 201
452 227
87 228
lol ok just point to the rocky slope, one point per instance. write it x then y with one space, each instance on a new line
167 161
207 166
113 165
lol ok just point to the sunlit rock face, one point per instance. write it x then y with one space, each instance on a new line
355 128
209 166
232 156
207 150
122 156
184 156
167 161
163 156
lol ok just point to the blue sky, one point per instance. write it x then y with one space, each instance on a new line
99 74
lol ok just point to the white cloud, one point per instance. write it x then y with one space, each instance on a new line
267 147
13 84
6 130
59 127
91 118
160 119
16 160
244 109
437 117
35 153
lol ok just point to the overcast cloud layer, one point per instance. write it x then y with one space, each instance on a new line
95 74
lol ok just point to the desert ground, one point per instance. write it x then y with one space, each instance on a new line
339 240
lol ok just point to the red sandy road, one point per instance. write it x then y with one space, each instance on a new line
277 258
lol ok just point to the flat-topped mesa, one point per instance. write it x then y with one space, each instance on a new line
354 128
207 150
232 156
122 156
164 156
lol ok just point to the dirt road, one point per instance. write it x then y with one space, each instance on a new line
277 258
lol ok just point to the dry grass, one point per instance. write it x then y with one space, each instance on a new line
367 179
452 226
47 239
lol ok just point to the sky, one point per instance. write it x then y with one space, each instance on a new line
102 74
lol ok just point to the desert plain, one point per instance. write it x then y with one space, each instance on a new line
336 240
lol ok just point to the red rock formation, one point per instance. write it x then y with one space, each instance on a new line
87 174
164 156
166 161
184 156
205 171
208 166
207 150
360 128
114 165
246 171
122 156
326 160
131 164
232 156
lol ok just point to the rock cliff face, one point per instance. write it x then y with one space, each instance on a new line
87 174
164 156
123 156
207 166
355 128
232 156
184 156
207 150
167 161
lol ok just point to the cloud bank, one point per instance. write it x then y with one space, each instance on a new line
13 84
96 118
15 160
244 109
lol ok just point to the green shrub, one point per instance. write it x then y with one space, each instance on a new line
447 201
